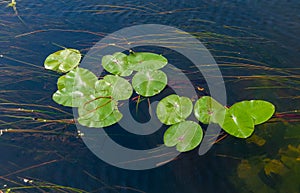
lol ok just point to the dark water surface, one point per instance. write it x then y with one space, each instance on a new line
250 40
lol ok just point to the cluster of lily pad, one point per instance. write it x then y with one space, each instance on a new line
97 99
238 120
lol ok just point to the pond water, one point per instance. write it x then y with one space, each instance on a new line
255 43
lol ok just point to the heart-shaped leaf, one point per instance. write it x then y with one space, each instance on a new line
116 64
185 135
103 88
79 78
115 86
69 98
61 83
113 118
208 110
259 110
141 61
238 123
97 108
63 60
149 83
74 87
174 109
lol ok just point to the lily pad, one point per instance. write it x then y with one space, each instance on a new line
63 60
208 110
116 64
115 86
103 88
174 109
238 123
97 108
149 83
74 87
259 110
113 118
141 61
185 135
61 82
68 98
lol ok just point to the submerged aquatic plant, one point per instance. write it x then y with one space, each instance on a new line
258 173
97 100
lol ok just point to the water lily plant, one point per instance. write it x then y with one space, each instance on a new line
97 99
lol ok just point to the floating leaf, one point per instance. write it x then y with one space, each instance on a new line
149 83
99 112
238 123
97 108
116 64
115 86
103 88
61 82
208 110
69 98
174 109
113 118
185 135
63 60
74 87
259 110
141 61
121 89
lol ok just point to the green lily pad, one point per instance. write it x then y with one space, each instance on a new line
174 109
103 88
116 64
69 99
185 135
99 112
149 83
259 110
97 108
61 82
141 61
113 118
115 86
208 110
238 123
74 87
63 60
